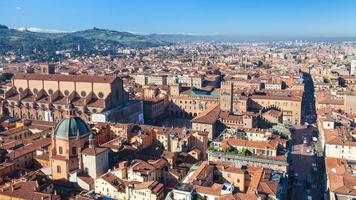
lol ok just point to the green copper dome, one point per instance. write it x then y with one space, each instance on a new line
72 127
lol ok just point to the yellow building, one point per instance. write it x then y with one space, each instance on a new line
68 140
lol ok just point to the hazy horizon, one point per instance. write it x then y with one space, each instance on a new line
255 18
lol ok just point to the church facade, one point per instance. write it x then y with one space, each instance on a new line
44 95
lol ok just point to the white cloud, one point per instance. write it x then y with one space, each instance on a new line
18 8
35 29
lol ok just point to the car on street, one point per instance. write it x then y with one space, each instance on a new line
315 139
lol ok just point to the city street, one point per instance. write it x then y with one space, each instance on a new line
306 169
305 164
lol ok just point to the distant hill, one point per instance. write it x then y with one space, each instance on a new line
190 38
36 45
185 38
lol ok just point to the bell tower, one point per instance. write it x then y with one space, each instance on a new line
226 96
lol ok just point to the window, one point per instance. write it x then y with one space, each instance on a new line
60 150
74 150
101 94
58 169
83 94
66 92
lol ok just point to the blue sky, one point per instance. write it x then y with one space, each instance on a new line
205 17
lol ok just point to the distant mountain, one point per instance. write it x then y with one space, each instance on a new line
184 38
189 38
36 45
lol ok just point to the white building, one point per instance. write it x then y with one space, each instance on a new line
353 67
157 79
183 191
273 86
109 185
95 160
141 79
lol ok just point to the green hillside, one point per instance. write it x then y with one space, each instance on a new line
34 45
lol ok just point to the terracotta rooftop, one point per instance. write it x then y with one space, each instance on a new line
61 77
209 116
341 178
26 189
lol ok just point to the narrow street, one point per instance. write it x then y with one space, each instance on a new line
306 171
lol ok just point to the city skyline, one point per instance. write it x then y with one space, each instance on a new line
232 18
178 99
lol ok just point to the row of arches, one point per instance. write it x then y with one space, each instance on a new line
38 114
183 114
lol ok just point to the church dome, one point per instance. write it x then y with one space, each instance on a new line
72 127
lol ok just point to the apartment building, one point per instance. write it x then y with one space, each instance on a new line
341 178
229 181
240 147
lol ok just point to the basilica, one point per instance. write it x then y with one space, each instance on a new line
44 96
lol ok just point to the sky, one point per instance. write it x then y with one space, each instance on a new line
303 18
